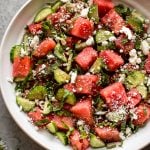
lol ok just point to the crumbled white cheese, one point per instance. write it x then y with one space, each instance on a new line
133 114
121 50
104 43
122 136
128 131
90 2
23 52
80 122
18 93
65 1
34 42
100 113
148 40
99 26
147 21
122 78
73 76
84 12
10 80
127 32
112 38
148 81
90 41
132 60
50 56
138 60
132 52
145 47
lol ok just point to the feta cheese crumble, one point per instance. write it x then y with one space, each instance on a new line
127 32
84 12
34 42
145 47
73 76
90 41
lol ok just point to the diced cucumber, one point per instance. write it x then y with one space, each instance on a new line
47 108
96 142
25 104
97 66
38 92
142 89
42 122
110 45
15 52
80 46
69 63
56 6
103 35
67 96
93 14
138 16
60 76
59 52
134 79
19 79
52 127
42 14
62 137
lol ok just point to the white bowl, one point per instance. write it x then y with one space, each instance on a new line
13 36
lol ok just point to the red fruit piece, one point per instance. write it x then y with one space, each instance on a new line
82 28
104 6
114 21
21 67
126 47
147 64
85 84
86 58
114 95
143 114
111 59
76 142
83 110
70 87
63 123
35 28
108 134
134 98
44 48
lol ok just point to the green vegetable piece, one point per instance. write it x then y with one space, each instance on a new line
67 96
138 16
69 63
56 6
42 14
47 108
62 137
97 66
96 142
142 89
42 122
25 104
103 35
59 52
110 45
60 76
26 41
19 79
15 52
52 127
105 79
38 92
113 145
93 14
80 46
134 79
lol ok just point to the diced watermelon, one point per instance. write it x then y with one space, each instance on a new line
76 142
44 48
21 67
86 58
114 21
104 6
83 110
35 28
55 17
126 47
70 87
63 123
70 41
82 28
36 115
111 59
147 64
108 134
114 95
134 98
143 114
85 84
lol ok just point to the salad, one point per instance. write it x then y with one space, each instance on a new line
82 72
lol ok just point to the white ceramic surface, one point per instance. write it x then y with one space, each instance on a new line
13 36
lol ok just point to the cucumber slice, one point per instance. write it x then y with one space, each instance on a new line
38 92
52 127
62 137
25 104
142 89
96 142
59 52
80 46
56 6
15 52
47 108
60 76
42 14
93 14
67 96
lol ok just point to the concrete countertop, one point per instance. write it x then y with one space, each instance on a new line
10 133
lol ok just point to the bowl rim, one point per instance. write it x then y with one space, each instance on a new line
2 44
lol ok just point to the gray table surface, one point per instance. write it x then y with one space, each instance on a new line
9 131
